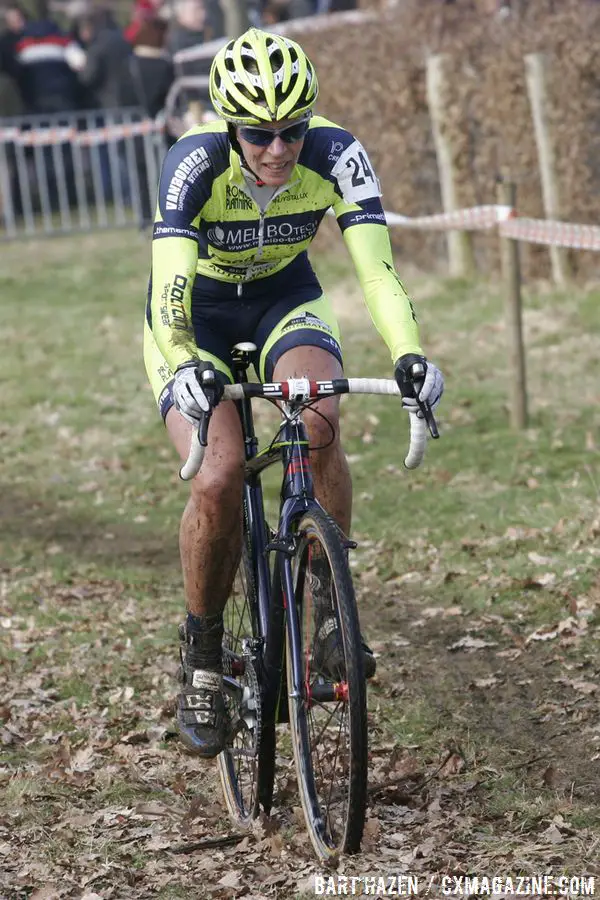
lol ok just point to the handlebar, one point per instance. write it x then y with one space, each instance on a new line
301 390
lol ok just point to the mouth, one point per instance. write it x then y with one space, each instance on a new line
277 167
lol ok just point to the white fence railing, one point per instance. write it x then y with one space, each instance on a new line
77 172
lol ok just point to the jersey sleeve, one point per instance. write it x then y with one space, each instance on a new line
184 187
362 221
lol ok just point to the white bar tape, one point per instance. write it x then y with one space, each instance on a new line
418 426
372 386
418 441
193 463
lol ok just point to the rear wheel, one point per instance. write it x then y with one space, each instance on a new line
247 765
328 718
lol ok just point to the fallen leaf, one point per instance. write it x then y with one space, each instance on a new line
471 643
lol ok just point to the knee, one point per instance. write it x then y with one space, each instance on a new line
219 487
323 425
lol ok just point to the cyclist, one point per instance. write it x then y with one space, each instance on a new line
239 202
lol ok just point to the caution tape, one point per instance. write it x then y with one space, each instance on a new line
552 233
474 218
47 137
509 224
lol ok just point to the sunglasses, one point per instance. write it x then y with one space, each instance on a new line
262 137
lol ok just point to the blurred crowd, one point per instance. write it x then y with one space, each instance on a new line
84 58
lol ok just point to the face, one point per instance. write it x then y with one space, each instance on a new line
274 163
15 20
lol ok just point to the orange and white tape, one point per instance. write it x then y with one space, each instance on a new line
552 233
509 224
474 218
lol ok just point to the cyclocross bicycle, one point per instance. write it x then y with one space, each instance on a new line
292 647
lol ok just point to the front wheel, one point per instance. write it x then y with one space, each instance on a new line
247 765
327 690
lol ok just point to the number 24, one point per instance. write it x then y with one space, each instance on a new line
355 165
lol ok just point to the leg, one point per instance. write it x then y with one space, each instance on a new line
210 532
210 545
333 485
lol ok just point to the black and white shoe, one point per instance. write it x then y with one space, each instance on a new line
202 718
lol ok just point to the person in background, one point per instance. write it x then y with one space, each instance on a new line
194 22
104 72
105 67
152 74
143 11
151 66
39 63
15 20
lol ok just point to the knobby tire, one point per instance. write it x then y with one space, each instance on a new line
332 778
247 783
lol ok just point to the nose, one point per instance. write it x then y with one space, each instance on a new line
277 147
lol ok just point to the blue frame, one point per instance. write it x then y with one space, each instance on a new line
297 497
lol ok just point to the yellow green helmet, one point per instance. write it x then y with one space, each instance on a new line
262 77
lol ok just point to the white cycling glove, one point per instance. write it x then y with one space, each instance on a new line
197 388
413 373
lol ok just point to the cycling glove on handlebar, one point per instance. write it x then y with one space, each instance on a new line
418 380
197 388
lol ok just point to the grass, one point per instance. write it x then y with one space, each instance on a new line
493 540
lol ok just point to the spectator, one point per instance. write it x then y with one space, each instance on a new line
39 63
152 74
151 67
193 23
15 20
105 70
143 11
106 74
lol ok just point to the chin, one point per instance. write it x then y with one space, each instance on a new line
275 180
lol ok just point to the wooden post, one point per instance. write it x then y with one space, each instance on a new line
537 81
511 273
460 249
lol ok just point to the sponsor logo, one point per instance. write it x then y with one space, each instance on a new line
216 236
164 373
335 150
161 230
284 198
306 320
173 297
235 198
235 238
184 176
240 271
369 217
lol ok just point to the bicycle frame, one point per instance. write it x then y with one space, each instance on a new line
297 495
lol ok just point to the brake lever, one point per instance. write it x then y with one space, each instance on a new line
429 417
203 424
418 379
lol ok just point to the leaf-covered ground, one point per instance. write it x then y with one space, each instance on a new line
477 580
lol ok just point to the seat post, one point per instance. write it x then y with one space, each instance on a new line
242 355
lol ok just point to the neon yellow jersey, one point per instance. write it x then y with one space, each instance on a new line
208 223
